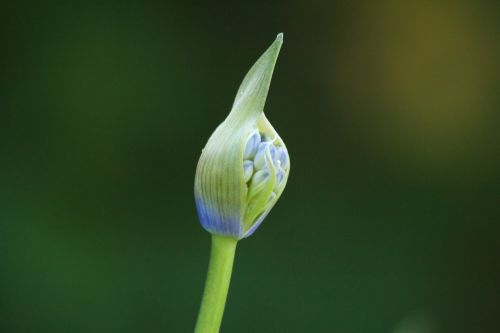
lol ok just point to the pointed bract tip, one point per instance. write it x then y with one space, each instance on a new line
251 96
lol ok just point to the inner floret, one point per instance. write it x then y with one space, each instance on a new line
265 161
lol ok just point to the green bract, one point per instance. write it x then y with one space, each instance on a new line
244 166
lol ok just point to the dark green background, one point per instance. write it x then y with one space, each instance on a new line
390 114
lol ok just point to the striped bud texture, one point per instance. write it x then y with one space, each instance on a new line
244 166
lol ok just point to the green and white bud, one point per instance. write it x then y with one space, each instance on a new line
244 166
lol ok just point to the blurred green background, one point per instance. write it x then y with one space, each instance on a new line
389 109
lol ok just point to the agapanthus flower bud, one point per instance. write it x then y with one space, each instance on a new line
244 166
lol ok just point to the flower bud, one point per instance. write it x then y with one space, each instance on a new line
244 166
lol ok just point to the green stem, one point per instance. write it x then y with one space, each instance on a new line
217 284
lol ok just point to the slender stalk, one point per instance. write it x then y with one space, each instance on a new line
217 284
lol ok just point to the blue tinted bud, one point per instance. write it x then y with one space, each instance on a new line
248 170
282 157
260 159
242 172
280 178
252 145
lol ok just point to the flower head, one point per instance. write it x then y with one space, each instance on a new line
244 166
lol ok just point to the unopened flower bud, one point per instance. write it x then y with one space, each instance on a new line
244 166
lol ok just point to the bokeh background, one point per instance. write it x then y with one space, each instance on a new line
389 109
